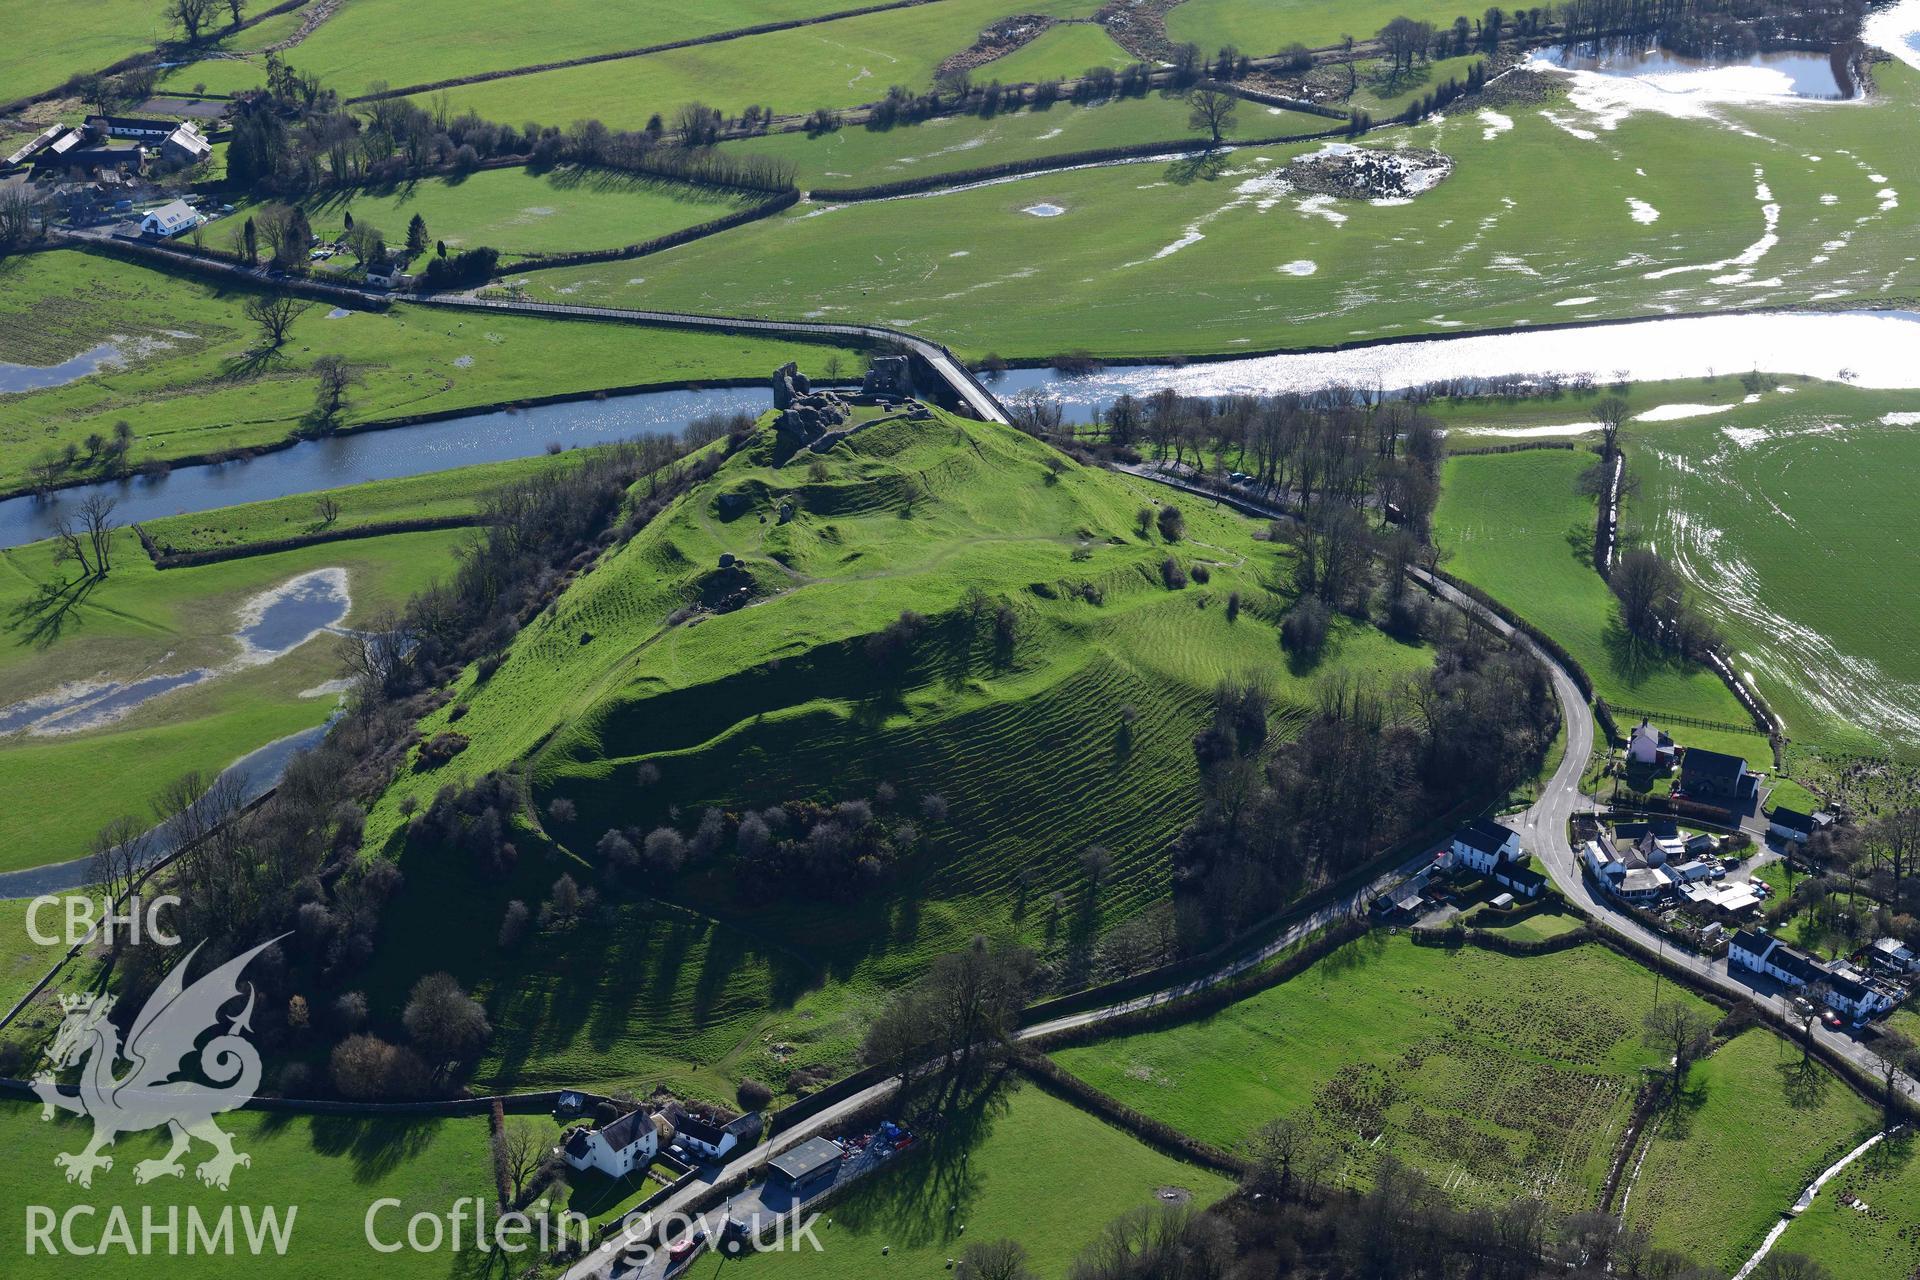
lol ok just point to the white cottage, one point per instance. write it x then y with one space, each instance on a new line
1483 844
629 1143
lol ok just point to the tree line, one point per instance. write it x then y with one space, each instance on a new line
295 136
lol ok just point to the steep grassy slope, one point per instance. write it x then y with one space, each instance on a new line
1077 732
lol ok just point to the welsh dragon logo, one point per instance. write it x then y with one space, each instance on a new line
175 1018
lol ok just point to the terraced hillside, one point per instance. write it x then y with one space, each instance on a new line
1048 699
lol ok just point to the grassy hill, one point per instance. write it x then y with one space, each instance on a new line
638 714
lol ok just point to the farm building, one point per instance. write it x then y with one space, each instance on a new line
1716 779
629 1143
1729 902
1793 826
805 1168
707 1136
67 157
40 142
1484 844
169 220
185 145
1522 879
1650 747
143 128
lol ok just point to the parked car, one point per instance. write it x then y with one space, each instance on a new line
1832 1019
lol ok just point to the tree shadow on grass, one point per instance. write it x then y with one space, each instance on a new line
376 1146
1682 1109
928 1196
1353 956
1204 166
251 364
43 616
1803 1084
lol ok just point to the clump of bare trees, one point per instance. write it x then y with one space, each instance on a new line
1368 763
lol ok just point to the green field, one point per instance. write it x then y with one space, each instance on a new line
327 1171
1861 1223
1026 1167
1531 217
1259 27
1498 1076
858 156
778 701
520 212
403 42
45 44
1515 526
1065 51
194 384
1752 1131
838 64
141 620
1780 514
456 492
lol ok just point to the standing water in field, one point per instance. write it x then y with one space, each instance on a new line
271 624
34 377
1783 74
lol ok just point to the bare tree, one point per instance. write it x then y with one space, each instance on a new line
1212 112
191 16
1679 1031
1894 1055
96 517
275 314
330 396
1610 412
520 1152
69 545
994 1260
1095 862
20 210
237 8
1288 1156
121 850
1404 39
327 507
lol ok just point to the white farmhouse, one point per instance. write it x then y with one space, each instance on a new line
1648 746
629 1143
1482 845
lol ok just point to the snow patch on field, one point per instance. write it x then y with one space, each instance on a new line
1298 267
1496 124
1641 211
1576 302
1676 412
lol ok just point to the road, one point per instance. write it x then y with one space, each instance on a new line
1544 831
968 389
600 1262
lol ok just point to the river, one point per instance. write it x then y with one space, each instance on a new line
383 455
